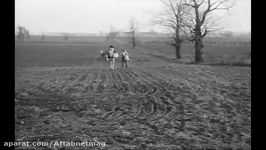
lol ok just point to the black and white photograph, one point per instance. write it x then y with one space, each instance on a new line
132 75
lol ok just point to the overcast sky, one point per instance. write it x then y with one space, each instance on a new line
93 16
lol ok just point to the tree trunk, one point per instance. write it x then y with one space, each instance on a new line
177 51
134 43
198 51
133 40
178 42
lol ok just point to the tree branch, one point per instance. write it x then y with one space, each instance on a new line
186 4
219 4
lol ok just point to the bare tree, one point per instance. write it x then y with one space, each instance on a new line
22 33
112 34
172 19
132 30
198 21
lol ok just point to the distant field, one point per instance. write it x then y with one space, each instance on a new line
55 54
64 92
223 51
211 53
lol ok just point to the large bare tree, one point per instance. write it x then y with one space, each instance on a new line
198 22
172 18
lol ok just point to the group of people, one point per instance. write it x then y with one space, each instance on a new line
111 54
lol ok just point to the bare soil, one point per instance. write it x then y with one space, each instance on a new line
153 104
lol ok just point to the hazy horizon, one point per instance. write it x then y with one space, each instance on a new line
94 16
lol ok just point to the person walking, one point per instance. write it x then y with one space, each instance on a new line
112 54
125 58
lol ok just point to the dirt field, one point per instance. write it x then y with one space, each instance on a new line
64 93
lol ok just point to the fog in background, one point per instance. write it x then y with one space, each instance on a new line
94 16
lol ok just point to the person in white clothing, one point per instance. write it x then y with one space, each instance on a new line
111 57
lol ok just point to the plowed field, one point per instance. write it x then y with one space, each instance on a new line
152 104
